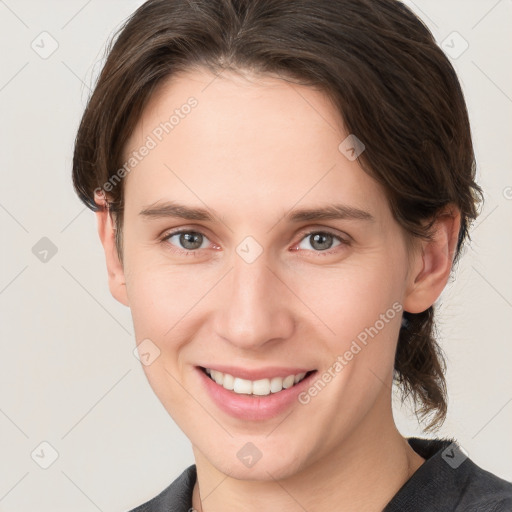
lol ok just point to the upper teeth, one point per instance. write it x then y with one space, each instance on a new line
254 387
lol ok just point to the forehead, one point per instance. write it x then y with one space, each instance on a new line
260 104
256 140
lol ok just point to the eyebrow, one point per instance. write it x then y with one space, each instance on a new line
170 209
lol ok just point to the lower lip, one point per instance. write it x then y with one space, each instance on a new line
250 407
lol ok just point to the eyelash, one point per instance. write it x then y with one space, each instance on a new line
168 235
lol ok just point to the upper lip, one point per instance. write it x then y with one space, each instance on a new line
258 373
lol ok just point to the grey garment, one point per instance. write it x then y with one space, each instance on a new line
175 498
447 481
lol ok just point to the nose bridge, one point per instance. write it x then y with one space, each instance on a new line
254 307
252 282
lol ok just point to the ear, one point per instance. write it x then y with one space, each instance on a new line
106 232
432 262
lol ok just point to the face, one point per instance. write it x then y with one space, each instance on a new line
260 286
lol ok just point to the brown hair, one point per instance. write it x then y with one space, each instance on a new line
393 86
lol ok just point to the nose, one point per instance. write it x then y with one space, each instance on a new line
255 306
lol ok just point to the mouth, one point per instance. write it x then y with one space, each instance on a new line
271 385
255 394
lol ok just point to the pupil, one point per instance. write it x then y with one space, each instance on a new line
191 240
322 239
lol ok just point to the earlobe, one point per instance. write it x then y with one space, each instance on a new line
433 263
106 232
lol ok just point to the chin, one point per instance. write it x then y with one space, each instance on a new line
250 463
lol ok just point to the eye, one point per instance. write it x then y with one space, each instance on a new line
189 241
186 240
321 241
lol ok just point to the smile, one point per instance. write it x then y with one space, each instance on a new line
261 387
255 394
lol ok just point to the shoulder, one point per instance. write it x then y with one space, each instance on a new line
484 491
450 480
176 497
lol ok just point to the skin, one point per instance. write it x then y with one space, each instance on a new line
252 150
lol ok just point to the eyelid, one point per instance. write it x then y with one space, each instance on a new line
164 238
342 236
344 239
171 232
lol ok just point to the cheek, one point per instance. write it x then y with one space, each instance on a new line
158 290
162 305
354 296
362 307
169 304
169 300
158 301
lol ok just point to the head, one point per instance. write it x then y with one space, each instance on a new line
259 113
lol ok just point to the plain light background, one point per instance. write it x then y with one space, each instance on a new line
68 376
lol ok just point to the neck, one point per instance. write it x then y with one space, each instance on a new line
362 474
